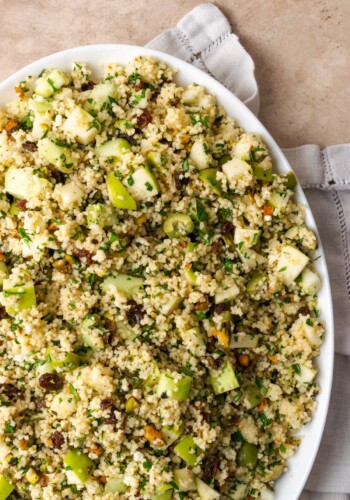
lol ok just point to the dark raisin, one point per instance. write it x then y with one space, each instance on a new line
111 419
220 308
84 254
210 466
135 313
144 119
111 327
304 311
87 86
228 228
30 146
180 180
107 403
11 392
3 313
127 137
51 382
57 439
21 204
216 246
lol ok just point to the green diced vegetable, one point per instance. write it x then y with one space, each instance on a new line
113 149
176 387
61 157
178 226
292 181
79 464
123 283
247 455
6 488
224 378
209 177
188 450
24 294
205 492
261 173
115 485
118 194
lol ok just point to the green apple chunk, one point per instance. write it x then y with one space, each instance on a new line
99 213
3 272
185 479
118 194
113 149
209 177
68 361
164 492
188 450
194 341
310 282
176 387
80 125
256 284
59 156
238 491
23 184
143 184
244 341
204 491
79 464
6 488
224 378
178 225
200 155
172 433
101 96
279 200
247 455
123 283
191 276
227 292
47 85
235 169
290 264
115 485
249 237
24 296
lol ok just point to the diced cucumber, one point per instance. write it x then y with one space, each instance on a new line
256 285
101 214
251 258
4 272
175 388
143 184
115 485
238 491
79 464
47 85
60 156
185 479
91 332
244 341
261 173
204 491
24 295
23 184
292 181
188 450
123 283
102 95
193 339
209 177
118 194
227 292
113 149
249 237
178 225
290 264
172 433
310 282
302 235
200 155
224 378
6 488
235 169
305 374
279 200
81 126
191 276
247 455
171 303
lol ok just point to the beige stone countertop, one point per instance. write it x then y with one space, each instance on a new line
301 49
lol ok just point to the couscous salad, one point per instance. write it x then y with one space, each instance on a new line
158 317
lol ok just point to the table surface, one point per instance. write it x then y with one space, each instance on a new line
301 49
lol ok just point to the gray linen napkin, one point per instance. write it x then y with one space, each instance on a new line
204 38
